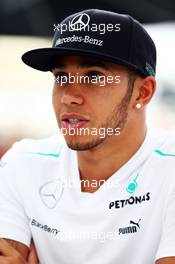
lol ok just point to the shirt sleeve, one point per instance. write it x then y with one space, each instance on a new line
167 242
14 223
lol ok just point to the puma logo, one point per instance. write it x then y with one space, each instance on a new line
137 224
130 229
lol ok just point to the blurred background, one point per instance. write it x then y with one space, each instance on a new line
25 94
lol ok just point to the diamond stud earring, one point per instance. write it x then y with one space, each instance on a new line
138 106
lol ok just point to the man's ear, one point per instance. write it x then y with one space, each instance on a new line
144 91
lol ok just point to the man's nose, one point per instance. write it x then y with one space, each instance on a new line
71 95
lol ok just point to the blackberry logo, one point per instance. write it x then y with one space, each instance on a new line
130 229
44 227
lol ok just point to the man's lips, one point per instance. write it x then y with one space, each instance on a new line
73 120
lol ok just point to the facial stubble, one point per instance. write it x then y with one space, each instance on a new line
117 120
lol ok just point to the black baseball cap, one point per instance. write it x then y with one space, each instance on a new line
101 34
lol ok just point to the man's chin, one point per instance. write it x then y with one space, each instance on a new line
78 147
83 145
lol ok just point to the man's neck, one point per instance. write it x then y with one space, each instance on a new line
101 162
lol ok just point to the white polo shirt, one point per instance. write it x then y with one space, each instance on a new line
130 219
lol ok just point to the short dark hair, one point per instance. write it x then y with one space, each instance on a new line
132 76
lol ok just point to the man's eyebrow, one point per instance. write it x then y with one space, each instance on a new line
84 64
95 63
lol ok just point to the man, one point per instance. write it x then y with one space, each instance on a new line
108 195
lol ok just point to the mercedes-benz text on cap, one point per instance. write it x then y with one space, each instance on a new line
97 33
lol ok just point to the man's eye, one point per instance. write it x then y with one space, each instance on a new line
61 77
94 75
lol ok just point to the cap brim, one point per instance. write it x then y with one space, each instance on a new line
44 59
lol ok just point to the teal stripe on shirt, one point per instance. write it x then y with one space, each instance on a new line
55 155
159 152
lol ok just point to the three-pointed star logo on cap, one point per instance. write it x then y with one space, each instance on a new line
80 22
